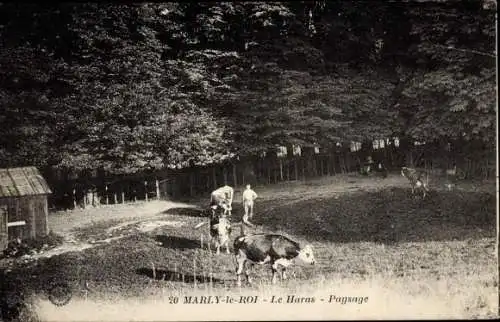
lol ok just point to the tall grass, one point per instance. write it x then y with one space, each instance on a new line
405 297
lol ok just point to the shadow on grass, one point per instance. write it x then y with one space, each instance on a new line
167 275
385 216
237 211
190 212
177 242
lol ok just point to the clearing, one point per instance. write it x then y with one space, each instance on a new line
412 258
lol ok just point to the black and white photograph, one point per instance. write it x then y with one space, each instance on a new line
248 161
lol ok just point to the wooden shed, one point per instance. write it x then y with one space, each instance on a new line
23 204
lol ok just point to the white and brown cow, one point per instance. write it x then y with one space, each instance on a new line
223 196
276 250
220 230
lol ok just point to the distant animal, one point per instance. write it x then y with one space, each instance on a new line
416 178
452 176
223 196
452 171
274 249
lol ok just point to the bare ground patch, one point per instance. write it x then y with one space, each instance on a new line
65 221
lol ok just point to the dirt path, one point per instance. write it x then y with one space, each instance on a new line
65 222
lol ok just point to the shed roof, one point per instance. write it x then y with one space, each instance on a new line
25 181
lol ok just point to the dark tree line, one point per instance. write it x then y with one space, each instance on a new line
127 88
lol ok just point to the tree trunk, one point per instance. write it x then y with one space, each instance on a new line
304 168
281 168
268 173
406 147
235 177
296 168
191 183
334 164
214 177
224 174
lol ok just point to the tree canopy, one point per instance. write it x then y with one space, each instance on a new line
129 87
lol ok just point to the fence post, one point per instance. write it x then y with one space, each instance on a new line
157 189
116 198
74 198
107 196
146 190
123 196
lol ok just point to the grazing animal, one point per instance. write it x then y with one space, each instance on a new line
220 231
223 196
273 249
416 180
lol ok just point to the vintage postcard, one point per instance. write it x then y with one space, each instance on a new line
248 161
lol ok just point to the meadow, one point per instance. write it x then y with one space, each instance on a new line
408 257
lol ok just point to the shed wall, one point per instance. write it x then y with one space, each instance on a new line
33 210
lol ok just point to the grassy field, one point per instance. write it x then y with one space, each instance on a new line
411 258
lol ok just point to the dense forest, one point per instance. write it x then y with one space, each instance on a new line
141 86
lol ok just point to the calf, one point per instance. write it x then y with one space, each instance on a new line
274 249
220 231
220 226
416 179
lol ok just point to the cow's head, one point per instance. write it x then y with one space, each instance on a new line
404 171
306 255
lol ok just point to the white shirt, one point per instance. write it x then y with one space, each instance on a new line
249 195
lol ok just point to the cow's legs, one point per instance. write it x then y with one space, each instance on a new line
247 272
241 259
217 246
283 273
274 268
226 244
245 206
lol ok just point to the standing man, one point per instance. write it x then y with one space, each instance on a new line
249 197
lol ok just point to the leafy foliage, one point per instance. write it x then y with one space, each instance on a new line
127 88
